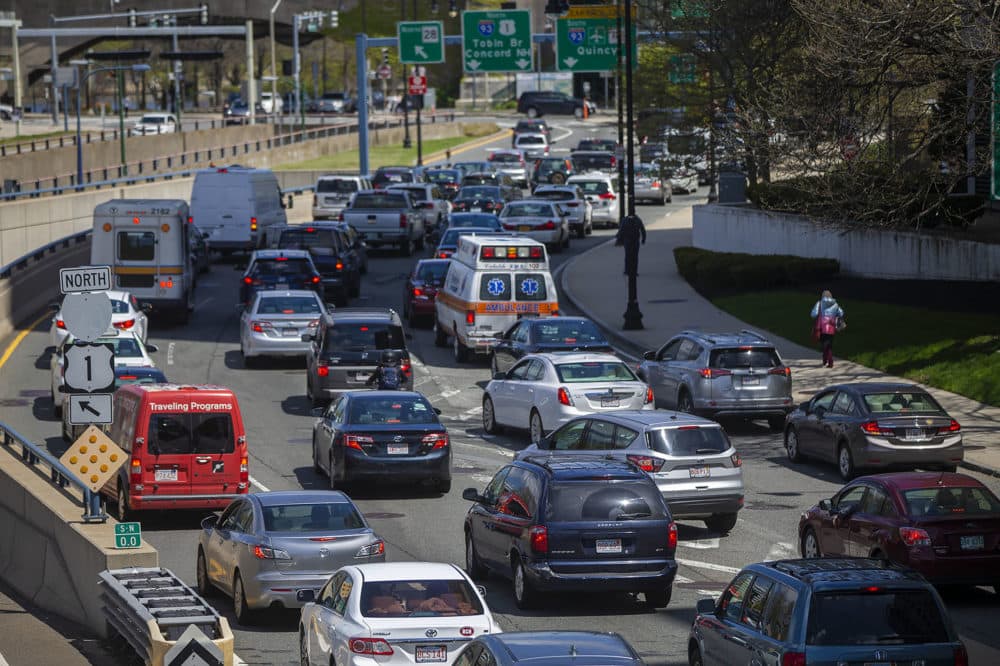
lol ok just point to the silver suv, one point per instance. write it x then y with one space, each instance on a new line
690 459
720 374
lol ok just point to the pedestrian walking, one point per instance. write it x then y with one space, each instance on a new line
828 320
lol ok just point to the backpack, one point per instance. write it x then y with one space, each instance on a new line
390 379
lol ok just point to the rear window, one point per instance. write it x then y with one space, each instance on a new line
289 305
506 158
902 402
486 220
402 409
144 378
320 517
432 272
494 287
530 286
528 209
303 239
358 337
174 434
594 371
592 500
739 358
340 185
479 193
124 347
567 332
548 166
585 162
416 193
554 195
380 200
280 267
419 598
945 501
136 245
479 179
592 186
882 617
393 177
442 176
530 141
689 440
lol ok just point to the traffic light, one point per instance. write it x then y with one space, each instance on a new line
203 13
132 19
385 56
286 68
335 18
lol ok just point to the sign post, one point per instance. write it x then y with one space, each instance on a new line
587 39
497 41
995 135
420 42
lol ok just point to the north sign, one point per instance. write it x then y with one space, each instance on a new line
420 42
497 41
84 278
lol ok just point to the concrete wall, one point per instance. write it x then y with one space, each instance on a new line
865 252
48 554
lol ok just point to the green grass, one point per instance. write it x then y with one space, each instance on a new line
955 351
28 138
394 155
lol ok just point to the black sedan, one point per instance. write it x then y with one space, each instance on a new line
381 436
548 334
874 426
485 198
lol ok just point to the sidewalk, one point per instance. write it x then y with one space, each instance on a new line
593 283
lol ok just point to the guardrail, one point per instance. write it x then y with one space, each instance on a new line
151 608
135 172
24 262
32 454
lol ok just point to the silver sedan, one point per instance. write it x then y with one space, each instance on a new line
543 391
277 549
275 322
570 199
540 220
651 185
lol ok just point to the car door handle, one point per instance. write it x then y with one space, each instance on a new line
738 640
201 460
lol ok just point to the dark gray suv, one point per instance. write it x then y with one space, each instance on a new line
720 374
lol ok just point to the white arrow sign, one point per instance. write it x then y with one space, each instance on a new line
87 408
570 61
90 368
474 64
419 50
522 63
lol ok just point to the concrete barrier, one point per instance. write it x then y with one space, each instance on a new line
48 554
875 253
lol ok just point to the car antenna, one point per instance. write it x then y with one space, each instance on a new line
940 480
572 650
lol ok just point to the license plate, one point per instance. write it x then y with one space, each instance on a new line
524 227
305 595
290 332
398 450
610 402
913 433
751 381
431 653
362 376
165 475
972 543
281 285
700 472
609 545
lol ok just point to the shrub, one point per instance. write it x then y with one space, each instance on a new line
723 271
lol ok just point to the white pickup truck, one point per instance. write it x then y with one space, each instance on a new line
386 217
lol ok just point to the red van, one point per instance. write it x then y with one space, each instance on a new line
187 448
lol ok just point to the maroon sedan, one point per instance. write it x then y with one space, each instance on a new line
421 288
944 525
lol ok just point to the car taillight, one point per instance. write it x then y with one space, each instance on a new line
873 428
323 370
259 326
607 195
781 370
262 552
914 536
736 460
649 395
444 255
645 463
372 646
614 160
402 220
135 470
371 550
712 373
253 224
793 659
548 226
60 324
167 284
564 398
672 536
406 368
539 539
951 427
470 317
355 441
247 280
656 184
340 216
438 439
124 325
510 227
315 279
961 656
244 469
417 291
339 265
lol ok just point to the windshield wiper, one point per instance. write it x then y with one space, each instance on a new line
633 516
700 451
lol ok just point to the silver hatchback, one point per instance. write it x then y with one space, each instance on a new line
691 459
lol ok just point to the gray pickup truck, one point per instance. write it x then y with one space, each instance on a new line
386 217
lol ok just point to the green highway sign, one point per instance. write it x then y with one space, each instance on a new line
420 42
589 44
497 41
128 535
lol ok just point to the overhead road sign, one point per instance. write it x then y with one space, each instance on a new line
94 458
497 41
89 368
87 316
420 42
90 408
84 278
590 44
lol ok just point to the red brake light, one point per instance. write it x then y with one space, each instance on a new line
323 370
315 279
438 439
548 226
672 536
310 230
736 460
873 428
781 370
914 536
253 224
536 253
539 539
339 266
614 160
646 463
247 280
951 427
712 373
281 258
60 324
417 291
244 467
355 441
607 195
402 220
127 378
470 317
564 398
125 325
371 646
793 659
259 326
190 219
135 470
649 395
961 656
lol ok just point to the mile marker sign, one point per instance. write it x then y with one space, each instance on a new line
84 278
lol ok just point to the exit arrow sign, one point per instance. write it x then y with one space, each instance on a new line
420 42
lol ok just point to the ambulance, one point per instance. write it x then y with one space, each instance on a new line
147 244
491 283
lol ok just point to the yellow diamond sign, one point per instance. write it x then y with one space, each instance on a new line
94 458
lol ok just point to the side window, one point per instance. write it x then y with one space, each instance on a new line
735 595
492 491
778 614
536 371
624 437
338 410
669 351
753 610
876 503
825 401
853 495
230 517
329 591
842 404
244 520
570 437
341 593
519 371
601 436
513 497
469 655
684 352
520 333
693 353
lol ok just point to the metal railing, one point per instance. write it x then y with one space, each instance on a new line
32 454
24 262
138 601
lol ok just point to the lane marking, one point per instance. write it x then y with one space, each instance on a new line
258 484
707 565
685 580
170 353
781 551
12 347
701 544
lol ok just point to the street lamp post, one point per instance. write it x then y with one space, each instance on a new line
141 67
632 231
274 68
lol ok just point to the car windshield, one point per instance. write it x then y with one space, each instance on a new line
875 616
396 409
689 440
340 185
387 200
483 221
506 158
738 358
359 337
554 195
594 371
119 307
902 402
528 209
153 120
600 500
950 500
592 186
592 161
442 176
419 598
479 193
433 271
288 305
318 517
568 332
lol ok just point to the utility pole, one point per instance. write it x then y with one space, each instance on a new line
405 97
274 68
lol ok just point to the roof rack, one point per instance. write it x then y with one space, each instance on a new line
699 334
755 334
543 460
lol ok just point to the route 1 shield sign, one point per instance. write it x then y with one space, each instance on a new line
90 368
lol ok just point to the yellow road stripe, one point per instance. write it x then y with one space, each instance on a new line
20 336
465 147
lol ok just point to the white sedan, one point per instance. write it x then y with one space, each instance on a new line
393 614
543 391
541 220
126 315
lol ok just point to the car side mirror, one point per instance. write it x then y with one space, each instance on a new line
804 407
472 495
316 412
54 306
706 607
152 349
820 412
437 411
499 375
208 522
62 388
649 356
147 307
205 235
824 505
308 337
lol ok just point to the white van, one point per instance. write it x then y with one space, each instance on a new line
146 242
232 204
491 283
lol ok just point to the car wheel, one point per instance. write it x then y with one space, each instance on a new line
810 544
205 587
303 648
443 486
122 510
440 337
578 113
240 608
330 474
684 403
459 351
316 466
663 199
420 243
845 462
535 426
792 446
524 594
590 227
776 423
695 658
248 361
406 247
532 112
494 368
658 598
473 566
314 399
489 416
582 231
722 523
565 242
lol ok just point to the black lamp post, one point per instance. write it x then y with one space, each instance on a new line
632 233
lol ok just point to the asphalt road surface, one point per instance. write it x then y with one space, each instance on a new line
420 525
